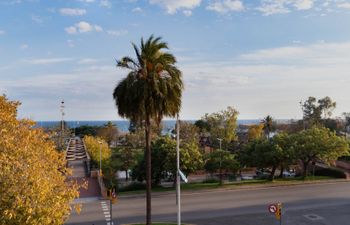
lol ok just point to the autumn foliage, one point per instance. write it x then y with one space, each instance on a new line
33 176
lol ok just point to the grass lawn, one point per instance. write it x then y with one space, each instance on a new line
256 182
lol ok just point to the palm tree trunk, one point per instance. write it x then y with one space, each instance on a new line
148 171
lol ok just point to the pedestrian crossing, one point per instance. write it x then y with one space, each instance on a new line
106 213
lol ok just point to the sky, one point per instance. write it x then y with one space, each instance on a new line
260 56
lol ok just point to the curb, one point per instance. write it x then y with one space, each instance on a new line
239 187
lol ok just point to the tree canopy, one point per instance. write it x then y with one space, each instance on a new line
33 181
151 90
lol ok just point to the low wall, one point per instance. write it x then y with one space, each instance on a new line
102 186
342 165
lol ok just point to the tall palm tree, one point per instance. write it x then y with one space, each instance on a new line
268 125
151 90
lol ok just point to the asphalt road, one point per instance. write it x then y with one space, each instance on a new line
316 204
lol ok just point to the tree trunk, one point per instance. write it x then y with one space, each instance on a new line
272 175
148 171
126 175
281 173
305 171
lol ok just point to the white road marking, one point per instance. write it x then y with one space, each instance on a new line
313 217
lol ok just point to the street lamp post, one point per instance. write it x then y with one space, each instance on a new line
100 142
178 171
220 164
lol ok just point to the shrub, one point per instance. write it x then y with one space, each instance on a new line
331 172
135 186
210 180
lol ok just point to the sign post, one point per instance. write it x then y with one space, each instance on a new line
277 210
112 200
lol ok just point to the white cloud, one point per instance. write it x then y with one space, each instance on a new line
70 43
87 61
187 12
46 61
98 28
86 1
225 6
274 78
72 11
37 19
270 7
2 32
320 54
171 6
304 4
24 46
83 27
344 5
106 3
71 30
117 33
137 10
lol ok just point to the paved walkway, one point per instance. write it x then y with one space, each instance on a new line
76 157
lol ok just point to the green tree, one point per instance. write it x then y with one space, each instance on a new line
164 153
34 188
263 153
86 130
223 126
313 110
191 158
202 125
128 159
221 160
189 132
318 144
151 90
108 132
288 156
255 132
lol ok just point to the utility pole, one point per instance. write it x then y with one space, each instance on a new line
178 171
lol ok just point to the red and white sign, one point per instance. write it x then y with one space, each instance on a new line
272 208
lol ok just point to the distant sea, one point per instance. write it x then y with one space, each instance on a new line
123 125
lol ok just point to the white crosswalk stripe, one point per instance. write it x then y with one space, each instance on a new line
106 213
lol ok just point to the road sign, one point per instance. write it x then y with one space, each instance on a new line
183 177
272 208
113 197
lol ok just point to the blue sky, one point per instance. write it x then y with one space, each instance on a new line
260 56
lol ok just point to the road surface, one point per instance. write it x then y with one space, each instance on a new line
315 204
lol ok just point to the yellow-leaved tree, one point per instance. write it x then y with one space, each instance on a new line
34 188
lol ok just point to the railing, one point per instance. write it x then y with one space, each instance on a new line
65 152
88 159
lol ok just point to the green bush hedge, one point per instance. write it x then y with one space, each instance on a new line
331 172
135 186
211 180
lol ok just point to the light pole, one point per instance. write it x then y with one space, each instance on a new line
100 142
220 163
62 124
178 171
